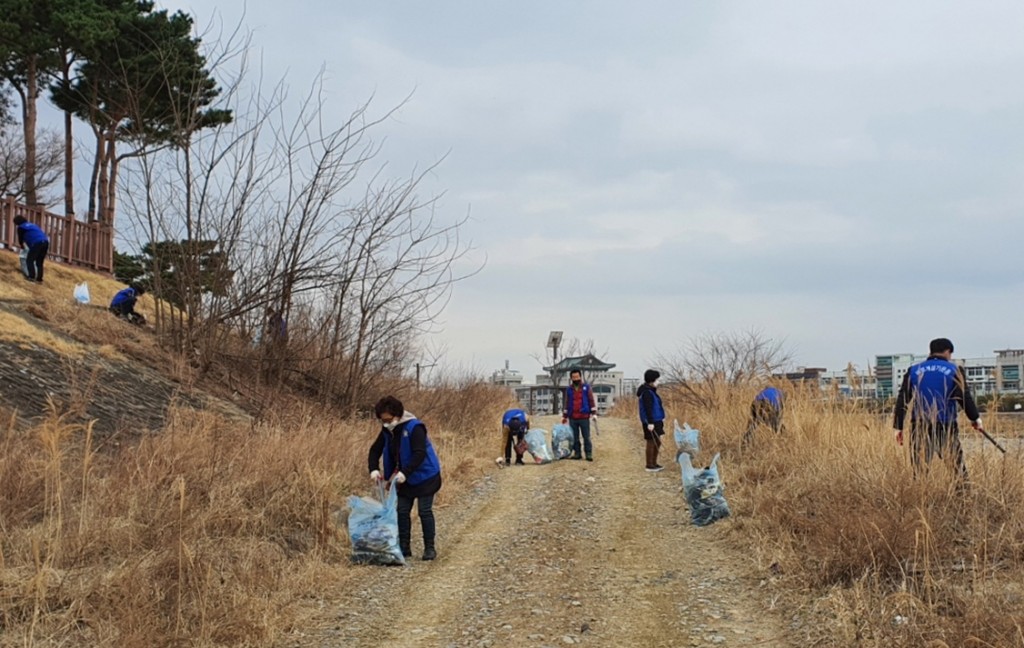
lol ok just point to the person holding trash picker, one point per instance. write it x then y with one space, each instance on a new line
514 424
579 407
765 410
411 465
933 391
123 304
652 418
34 239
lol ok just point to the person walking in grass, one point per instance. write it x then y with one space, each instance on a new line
35 240
652 417
765 410
514 424
578 409
934 391
411 464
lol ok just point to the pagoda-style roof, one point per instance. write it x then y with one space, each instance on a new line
588 362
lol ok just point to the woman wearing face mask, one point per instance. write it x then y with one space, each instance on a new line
411 463
652 417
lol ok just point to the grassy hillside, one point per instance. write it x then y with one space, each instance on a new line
196 524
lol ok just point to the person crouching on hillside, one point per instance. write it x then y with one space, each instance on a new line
514 423
34 239
652 417
123 304
413 467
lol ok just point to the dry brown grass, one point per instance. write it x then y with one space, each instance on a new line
831 508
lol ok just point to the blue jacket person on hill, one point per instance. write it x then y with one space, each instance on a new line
933 390
123 304
411 463
34 239
765 410
652 417
514 423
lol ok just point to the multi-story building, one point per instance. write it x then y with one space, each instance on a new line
849 383
507 377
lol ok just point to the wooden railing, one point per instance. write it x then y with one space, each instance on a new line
73 242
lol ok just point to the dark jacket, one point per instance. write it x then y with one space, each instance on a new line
649 404
933 389
30 234
407 448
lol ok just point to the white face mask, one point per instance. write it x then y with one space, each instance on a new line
390 426
654 384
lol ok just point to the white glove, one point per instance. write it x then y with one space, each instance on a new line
650 427
375 476
977 425
399 477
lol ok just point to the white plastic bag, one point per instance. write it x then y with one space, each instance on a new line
23 261
703 490
82 293
687 439
537 445
373 529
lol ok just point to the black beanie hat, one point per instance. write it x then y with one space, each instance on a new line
940 345
651 375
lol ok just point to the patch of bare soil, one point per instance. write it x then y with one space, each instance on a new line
599 554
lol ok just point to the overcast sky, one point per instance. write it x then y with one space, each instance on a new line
847 176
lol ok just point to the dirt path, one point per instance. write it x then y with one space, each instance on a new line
598 554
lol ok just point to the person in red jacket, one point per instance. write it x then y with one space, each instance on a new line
578 409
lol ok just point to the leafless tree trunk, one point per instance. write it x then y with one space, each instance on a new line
28 104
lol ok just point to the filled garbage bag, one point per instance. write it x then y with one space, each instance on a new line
703 490
23 261
687 439
373 529
537 445
561 441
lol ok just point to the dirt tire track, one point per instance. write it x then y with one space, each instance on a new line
598 554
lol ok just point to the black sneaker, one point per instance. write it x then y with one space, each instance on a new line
576 457
520 462
429 553
590 458
655 468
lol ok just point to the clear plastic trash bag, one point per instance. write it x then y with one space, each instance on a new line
373 529
537 445
687 439
561 441
704 491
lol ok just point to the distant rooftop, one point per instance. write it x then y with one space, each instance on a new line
588 362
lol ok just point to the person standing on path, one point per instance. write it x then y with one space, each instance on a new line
652 418
514 423
765 410
35 240
933 390
578 409
411 463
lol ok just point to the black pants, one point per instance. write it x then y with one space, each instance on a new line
929 439
763 413
127 312
508 442
426 510
36 256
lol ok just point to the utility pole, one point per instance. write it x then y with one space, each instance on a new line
418 368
